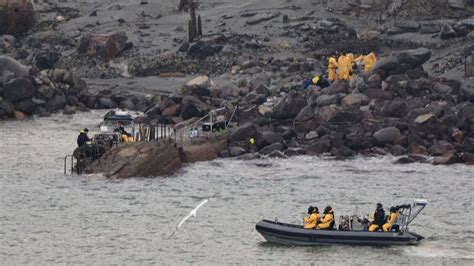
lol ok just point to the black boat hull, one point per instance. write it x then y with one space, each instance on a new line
288 234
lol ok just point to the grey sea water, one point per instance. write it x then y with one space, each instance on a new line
49 218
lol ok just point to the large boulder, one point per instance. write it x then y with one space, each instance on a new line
267 137
288 107
387 135
11 65
19 89
414 58
338 86
319 146
327 113
271 148
440 148
16 16
193 107
199 85
354 100
243 133
56 103
325 100
386 64
105 46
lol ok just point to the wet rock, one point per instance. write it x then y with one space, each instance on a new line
468 144
398 150
414 58
263 89
106 103
442 88
11 65
7 108
447 32
193 107
277 154
18 89
440 148
56 103
295 151
354 100
243 133
26 106
404 160
450 157
468 22
199 85
105 46
288 107
374 81
358 141
416 148
266 137
319 146
16 16
468 158
271 148
69 110
387 135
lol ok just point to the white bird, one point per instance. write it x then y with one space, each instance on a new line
192 213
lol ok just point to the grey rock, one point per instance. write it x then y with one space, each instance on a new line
387 135
9 64
243 133
273 147
18 89
447 32
414 58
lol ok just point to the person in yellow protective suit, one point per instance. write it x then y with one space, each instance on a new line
345 66
311 221
369 61
124 135
327 222
391 220
332 68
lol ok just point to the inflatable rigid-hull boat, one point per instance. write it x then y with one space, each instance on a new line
289 234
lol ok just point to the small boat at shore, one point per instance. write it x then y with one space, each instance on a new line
291 234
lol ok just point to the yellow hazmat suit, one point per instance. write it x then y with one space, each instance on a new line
393 217
345 66
328 218
311 221
332 67
369 61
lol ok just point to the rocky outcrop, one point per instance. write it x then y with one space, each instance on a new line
138 159
16 16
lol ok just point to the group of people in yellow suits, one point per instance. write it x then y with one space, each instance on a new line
315 221
341 67
380 222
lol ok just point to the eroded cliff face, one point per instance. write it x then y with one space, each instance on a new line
16 16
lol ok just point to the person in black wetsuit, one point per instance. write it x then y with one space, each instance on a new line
83 138
379 219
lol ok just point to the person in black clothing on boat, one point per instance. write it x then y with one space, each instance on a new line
83 138
379 219
125 136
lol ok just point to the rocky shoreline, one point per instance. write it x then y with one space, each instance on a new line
415 103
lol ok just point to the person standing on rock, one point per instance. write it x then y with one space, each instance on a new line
332 68
82 139
345 66
369 61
